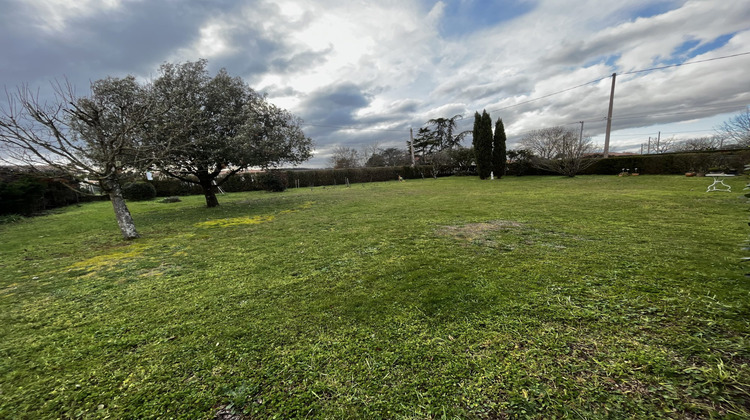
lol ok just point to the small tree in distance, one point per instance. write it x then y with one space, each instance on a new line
560 150
390 156
345 157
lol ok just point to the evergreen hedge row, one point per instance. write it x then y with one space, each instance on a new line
25 193
673 163
296 178
30 193
666 164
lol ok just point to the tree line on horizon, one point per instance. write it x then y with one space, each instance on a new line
555 149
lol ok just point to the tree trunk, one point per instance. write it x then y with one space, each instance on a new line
122 214
208 192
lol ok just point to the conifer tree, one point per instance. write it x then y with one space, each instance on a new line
475 131
499 153
483 149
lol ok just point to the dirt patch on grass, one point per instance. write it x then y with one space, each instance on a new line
472 231
485 234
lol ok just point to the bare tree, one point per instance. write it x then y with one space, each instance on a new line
663 145
544 143
345 157
97 137
699 144
560 150
737 128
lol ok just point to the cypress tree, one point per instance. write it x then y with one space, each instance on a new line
475 132
483 149
499 153
476 140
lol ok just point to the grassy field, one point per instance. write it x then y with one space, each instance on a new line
543 297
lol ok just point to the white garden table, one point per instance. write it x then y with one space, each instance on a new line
719 184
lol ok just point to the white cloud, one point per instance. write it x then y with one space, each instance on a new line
392 68
55 15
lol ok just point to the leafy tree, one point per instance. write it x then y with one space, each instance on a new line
560 150
521 160
96 137
425 142
443 132
737 128
462 159
376 160
499 155
219 123
438 136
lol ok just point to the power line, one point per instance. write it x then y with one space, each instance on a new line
624 73
685 64
715 108
663 132
628 116
551 94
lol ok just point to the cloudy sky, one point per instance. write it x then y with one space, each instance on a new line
363 72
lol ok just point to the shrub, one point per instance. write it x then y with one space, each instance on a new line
240 182
139 191
170 187
275 181
22 196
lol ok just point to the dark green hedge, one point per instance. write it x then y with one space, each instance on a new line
139 191
318 177
171 187
668 163
673 163
29 193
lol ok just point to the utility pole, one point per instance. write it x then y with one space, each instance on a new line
411 146
580 138
657 143
609 116
649 146
641 148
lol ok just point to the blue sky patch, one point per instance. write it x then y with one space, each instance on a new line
608 60
694 47
465 17
655 8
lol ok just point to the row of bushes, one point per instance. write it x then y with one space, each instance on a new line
26 193
278 180
673 163
669 163
318 177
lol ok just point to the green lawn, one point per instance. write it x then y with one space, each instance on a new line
545 297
